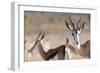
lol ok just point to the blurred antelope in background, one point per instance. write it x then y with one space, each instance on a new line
59 51
81 50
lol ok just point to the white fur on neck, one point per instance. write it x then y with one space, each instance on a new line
45 44
68 51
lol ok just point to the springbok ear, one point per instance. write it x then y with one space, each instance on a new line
69 26
82 25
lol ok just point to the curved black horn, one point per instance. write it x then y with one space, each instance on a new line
68 25
79 21
72 22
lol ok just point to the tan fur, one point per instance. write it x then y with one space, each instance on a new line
83 52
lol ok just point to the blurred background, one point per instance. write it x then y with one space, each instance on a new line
54 27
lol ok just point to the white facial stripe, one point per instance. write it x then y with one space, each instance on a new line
78 32
78 38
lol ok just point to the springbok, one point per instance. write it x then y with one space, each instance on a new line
84 49
51 53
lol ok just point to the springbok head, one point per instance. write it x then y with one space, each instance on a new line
75 29
39 38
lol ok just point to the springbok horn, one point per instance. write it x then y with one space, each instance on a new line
72 22
68 26
78 25
79 21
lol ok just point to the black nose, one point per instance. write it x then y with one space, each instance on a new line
77 43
